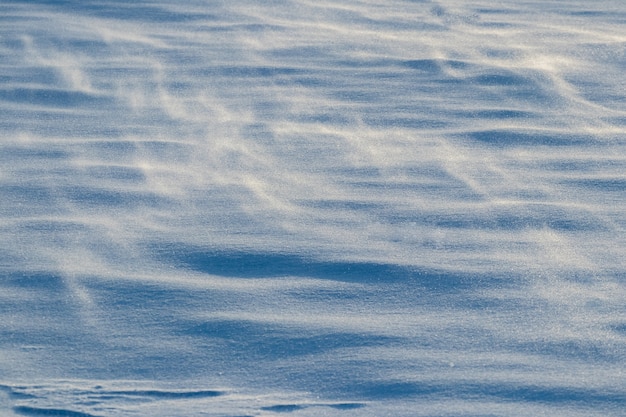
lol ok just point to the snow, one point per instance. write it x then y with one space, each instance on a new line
356 207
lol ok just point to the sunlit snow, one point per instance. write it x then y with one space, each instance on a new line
295 207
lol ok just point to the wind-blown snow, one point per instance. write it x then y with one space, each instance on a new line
301 207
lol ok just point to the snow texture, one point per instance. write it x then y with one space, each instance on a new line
312 208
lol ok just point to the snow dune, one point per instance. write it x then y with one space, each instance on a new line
312 208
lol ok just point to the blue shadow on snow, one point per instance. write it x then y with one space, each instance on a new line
241 264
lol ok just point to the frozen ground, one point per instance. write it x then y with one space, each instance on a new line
354 207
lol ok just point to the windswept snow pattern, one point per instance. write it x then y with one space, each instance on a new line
307 208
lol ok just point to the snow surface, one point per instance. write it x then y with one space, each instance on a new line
307 208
